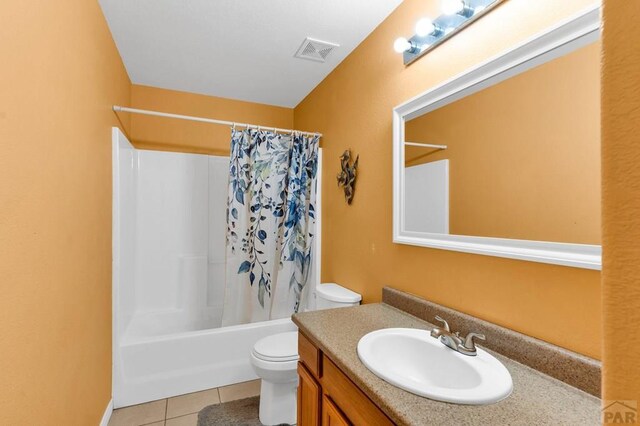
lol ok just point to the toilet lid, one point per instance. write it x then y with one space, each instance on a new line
277 347
336 293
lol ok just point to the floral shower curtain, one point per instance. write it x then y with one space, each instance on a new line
270 224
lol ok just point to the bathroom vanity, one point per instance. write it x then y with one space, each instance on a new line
337 389
327 396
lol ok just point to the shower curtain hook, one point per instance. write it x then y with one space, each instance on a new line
233 127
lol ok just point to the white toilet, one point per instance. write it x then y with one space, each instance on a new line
275 359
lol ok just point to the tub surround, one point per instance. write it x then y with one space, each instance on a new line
572 368
536 399
169 278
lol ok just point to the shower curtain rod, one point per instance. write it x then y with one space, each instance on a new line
426 145
118 108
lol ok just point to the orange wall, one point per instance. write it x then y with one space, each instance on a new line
59 76
352 108
621 199
187 136
524 154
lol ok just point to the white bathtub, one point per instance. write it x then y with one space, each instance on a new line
158 367
169 231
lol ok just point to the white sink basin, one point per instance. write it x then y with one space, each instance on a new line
413 360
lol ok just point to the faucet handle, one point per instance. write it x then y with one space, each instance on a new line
446 324
469 344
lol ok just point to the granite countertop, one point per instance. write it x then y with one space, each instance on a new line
537 399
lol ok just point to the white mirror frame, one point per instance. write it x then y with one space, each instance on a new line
569 35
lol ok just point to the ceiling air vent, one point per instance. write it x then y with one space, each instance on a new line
315 50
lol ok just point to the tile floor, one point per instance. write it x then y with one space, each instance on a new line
181 410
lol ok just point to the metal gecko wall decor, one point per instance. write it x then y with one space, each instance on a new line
347 176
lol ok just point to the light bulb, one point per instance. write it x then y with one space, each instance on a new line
451 7
401 45
425 27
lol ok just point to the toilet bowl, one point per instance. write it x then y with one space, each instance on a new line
275 360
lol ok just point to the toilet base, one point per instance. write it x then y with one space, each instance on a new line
278 403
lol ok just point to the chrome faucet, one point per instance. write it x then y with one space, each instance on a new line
452 340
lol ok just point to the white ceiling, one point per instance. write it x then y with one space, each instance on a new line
240 49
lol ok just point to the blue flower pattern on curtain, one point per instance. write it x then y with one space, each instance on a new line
271 212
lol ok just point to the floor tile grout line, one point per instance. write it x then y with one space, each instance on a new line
188 414
166 415
183 415
147 424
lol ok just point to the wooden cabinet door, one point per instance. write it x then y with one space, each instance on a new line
331 415
309 394
355 405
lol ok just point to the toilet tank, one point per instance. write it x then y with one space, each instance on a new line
332 295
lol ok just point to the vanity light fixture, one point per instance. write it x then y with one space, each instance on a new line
403 45
426 27
456 14
457 7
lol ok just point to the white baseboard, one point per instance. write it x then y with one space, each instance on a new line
107 414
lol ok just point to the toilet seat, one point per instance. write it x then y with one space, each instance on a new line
281 347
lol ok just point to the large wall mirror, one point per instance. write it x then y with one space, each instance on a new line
504 159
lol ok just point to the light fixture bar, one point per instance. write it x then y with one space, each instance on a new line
430 33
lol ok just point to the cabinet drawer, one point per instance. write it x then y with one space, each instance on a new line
309 355
355 405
